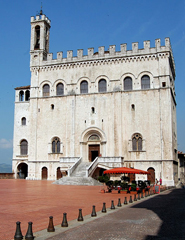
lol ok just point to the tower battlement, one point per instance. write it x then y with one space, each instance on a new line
41 18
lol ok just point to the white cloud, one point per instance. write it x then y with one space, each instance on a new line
5 144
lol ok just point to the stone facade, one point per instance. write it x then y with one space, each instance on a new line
107 104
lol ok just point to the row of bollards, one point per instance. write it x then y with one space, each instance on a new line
29 234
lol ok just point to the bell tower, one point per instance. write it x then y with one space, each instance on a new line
39 46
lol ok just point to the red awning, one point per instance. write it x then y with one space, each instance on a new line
125 170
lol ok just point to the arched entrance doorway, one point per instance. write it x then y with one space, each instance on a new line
59 174
151 176
92 144
44 173
22 170
94 147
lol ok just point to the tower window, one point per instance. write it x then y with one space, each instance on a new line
145 82
27 95
133 107
93 110
46 90
164 84
60 89
21 96
52 106
128 83
23 121
102 85
37 37
24 147
84 87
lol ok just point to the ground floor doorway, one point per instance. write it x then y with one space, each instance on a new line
59 173
94 151
22 170
44 173
151 176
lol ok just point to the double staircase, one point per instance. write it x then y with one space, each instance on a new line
78 177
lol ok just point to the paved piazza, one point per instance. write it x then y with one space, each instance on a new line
159 216
35 201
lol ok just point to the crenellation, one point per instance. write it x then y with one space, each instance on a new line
101 51
69 55
59 56
112 49
135 47
123 48
146 45
110 53
158 44
40 18
80 53
167 42
90 52
49 56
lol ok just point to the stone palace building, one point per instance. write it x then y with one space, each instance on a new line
105 109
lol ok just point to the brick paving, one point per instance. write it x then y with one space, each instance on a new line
157 217
35 201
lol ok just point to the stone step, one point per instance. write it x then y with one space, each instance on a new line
89 181
80 171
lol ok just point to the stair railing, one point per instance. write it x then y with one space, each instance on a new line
74 166
92 167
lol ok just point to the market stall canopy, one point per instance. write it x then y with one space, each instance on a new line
125 170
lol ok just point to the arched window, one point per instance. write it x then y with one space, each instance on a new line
46 90
102 85
37 37
128 83
145 82
84 87
24 147
60 89
21 96
23 121
56 145
137 142
27 95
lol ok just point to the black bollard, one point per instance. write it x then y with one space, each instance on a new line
125 202
145 194
142 194
138 196
148 193
18 234
80 217
119 202
29 234
93 214
135 198
112 205
64 222
50 226
104 208
130 201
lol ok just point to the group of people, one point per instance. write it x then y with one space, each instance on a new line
158 182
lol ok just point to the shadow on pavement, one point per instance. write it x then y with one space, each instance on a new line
170 208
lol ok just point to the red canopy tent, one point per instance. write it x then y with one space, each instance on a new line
125 170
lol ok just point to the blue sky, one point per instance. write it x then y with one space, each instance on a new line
81 24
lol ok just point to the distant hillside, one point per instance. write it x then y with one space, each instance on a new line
5 168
